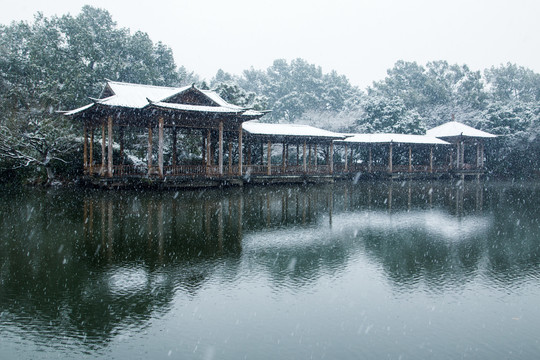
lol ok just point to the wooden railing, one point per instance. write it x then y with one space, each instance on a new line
276 170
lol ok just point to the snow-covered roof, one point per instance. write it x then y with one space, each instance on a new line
454 128
137 96
394 138
296 130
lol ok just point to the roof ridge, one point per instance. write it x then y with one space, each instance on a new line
147 85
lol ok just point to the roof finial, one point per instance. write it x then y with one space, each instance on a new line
453 117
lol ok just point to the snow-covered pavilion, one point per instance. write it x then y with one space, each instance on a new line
390 141
199 124
461 135
124 106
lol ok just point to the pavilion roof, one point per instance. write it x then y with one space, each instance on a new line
454 129
288 130
137 96
394 138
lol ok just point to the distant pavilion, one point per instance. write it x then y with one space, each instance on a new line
461 135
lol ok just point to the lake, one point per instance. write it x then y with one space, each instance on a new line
379 270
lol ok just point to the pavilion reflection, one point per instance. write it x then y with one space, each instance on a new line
93 264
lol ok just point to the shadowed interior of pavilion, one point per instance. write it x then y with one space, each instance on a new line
188 135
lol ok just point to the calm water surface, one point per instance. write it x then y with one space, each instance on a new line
401 270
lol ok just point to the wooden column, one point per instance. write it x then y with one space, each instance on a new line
482 155
284 158
478 155
297 154
220 148
203 148
102 170
315 156
458 156
346 155
85 150
208 150
160 146
149 149
249 144
331 162
174 149
240 152
304 157
309 155
121 140
431 159
410 158
390 149
110 155
230 157
269 158
462 155
91 152
370 160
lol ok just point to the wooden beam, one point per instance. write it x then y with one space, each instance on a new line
160 146
220 148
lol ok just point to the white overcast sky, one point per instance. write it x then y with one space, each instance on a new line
360 39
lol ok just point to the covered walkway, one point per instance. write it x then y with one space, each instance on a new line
395 153
202 139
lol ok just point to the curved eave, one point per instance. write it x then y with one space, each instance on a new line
378 139
208 110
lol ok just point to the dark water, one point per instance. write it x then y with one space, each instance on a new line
383 271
